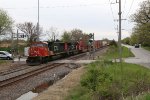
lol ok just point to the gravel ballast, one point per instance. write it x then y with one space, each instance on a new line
14 91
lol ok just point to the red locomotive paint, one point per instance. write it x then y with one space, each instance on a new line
66 47
38 49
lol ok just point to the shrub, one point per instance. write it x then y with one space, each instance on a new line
107 81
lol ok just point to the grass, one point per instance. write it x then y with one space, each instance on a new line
2 61
106 80
112 53
143 96
147 48
79 93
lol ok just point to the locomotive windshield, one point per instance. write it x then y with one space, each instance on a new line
38 45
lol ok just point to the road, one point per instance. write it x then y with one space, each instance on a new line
142 56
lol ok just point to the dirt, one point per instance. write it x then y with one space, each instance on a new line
6 65
60 90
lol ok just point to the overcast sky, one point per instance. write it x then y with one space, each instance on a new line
91 16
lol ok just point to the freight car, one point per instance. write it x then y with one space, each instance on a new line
42 52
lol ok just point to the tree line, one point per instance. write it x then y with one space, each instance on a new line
141 30
31 30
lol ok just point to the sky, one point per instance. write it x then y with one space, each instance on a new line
91 16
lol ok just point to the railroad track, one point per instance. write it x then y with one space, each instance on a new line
15 69
25 66
11 76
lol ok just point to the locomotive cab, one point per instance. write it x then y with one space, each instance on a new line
38 53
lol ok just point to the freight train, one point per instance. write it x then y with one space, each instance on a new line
42 52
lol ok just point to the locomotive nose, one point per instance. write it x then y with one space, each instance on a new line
34 51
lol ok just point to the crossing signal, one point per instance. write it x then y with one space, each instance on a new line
90 35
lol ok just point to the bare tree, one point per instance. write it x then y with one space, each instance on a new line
52 33
30 30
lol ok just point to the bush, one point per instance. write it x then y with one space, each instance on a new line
107 81
5 49
113 43
113 53
79 93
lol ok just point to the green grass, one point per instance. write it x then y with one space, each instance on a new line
3 61
147 48
112 53
79 93
106 80
143 96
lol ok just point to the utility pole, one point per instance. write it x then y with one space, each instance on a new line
17 43
12 46
93 47
119 36
38 22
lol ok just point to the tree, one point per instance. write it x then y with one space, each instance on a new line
30 30
5 22
76 34
66 37
52 33
141 32
126 40
142 16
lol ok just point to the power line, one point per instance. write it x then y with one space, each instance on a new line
124 7
130 8
111 10
61 6
112 15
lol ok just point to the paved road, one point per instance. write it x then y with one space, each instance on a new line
142 56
